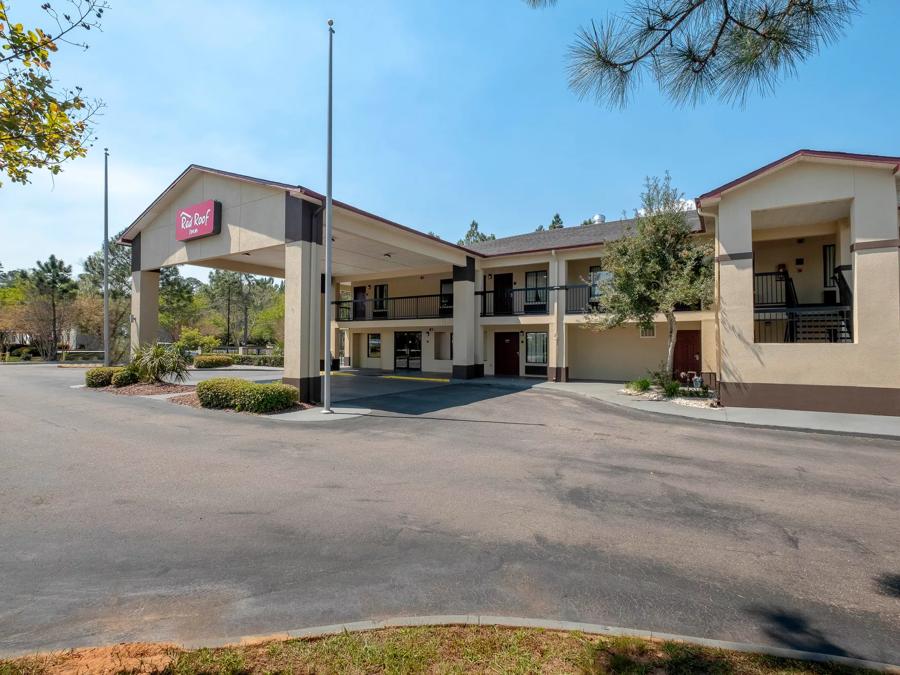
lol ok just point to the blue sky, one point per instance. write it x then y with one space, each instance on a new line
444 112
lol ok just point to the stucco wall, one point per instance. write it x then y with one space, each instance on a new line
252 218
430 364
874 359
618 354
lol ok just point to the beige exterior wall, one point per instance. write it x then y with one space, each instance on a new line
618 354
252 218
873 360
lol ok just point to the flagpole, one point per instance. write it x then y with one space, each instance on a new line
326 389
106 360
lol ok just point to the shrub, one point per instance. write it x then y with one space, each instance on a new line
642 384
258 360
220 392
191 339
124 377
100 377
213 361
671 388
155 363
264 398
231 392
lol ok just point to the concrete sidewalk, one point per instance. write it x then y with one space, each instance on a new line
845 423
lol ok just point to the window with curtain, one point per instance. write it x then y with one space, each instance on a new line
374 345
536 287
536 348
597 276
379 294
828 265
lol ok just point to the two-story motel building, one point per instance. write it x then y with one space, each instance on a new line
807 286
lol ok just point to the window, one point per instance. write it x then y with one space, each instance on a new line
828 265
536 287
648 331
446 307
379 303
374 345
536 348
597 276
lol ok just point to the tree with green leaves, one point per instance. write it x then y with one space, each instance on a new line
556 223
475 236
41 124
223 290
49 292
89 303
655 269
701 49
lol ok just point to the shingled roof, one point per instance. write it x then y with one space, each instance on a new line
568 237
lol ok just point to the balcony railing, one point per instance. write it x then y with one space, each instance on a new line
389 309
514 302
773 289
803 324
580 299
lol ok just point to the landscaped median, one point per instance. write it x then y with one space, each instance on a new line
160 369
430 649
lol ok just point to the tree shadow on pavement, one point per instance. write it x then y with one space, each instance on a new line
888 584
793 630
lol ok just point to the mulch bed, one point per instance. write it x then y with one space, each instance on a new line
143 389
191 400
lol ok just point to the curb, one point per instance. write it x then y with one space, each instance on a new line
546 624
726 422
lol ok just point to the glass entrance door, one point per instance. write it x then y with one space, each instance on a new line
408 351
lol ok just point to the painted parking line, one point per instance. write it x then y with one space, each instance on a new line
414 378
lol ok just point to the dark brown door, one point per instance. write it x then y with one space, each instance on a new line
359 303
503 284
506 354
687 352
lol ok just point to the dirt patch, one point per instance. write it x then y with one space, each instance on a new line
144 389
125 658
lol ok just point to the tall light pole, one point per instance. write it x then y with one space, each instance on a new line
326 389
105 256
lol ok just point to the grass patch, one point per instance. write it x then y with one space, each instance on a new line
451 649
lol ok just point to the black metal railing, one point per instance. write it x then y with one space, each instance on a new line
389 309
773 289
844 292
803 324
580 299
514 302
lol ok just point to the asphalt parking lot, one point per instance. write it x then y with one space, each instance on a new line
128 519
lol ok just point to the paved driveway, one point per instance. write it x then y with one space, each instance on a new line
124 519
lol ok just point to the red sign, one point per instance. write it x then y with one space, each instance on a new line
200 220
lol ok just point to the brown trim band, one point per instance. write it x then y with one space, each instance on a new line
814 397
310 387
469 372
558 374
869 245
727 257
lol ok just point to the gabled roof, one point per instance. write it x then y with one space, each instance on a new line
298 190
799 155
568 237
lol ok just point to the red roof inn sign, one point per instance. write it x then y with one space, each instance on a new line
200 220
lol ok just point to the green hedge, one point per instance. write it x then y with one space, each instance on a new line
231 392
213 361
125 377
261 360
101 377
